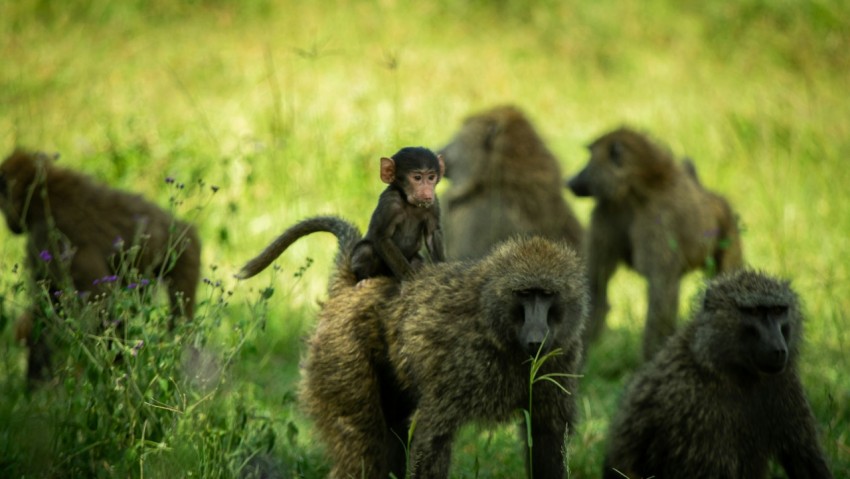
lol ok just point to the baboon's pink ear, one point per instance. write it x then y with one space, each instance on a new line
387 170
442 165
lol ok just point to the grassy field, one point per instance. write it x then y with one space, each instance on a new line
287 106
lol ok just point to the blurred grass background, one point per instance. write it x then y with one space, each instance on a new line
287 106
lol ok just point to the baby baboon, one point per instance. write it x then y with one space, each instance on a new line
504 181
78 230
407 216
655 216
723 397
450 345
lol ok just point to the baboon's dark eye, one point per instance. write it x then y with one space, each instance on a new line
616 153
490 139
751 331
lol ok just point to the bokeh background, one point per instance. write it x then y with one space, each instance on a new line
286 107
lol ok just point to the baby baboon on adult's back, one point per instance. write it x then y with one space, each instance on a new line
504 181
723 397
451 344
652 214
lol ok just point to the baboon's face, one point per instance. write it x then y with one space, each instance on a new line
606 175
8 205
19 173
765 331
471 146
537 314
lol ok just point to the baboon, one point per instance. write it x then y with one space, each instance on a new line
504 181
78 231
655 216
723 397
450 345
407 215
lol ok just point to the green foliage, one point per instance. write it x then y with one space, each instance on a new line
533 378
130 396
286 106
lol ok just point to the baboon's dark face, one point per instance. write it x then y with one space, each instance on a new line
765 332
19 174
606 176
8 205
470 146
536 314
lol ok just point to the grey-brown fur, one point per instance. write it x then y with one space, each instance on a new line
504 181
447 347
653 215
84 227
723 397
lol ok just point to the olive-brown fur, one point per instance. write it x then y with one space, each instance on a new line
653 215
703 408
504 182
77 230
443 348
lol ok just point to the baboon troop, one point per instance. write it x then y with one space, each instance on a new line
407 216
653 215
504 182
408 347
78 233
723 397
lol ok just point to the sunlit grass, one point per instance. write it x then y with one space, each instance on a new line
287 106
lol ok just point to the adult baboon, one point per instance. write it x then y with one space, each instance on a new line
504 181
79 231
450 345
655 216
723 397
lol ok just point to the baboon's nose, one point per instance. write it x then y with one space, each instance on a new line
533 347
773 362
578 186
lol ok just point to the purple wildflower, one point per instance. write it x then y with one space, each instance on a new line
106 279
214 188
169 180
45 256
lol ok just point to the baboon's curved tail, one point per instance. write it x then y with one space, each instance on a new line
347 234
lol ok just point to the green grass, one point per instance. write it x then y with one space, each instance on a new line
287 106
